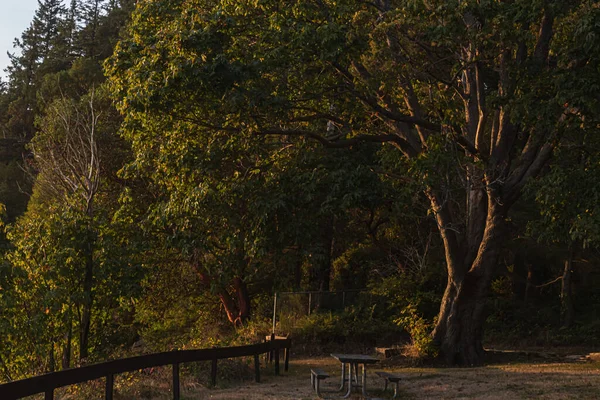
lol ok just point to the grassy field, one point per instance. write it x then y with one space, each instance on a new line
508 378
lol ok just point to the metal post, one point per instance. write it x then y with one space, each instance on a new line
309 302
274 311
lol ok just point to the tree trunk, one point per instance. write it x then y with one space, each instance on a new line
320 274
51 360
86 316
566 294
236 305
529 286
519 278
459 328
66 356
298 268
229 306
243 299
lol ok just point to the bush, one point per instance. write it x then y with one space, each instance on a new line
419 330
352 326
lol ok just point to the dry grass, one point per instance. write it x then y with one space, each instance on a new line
517 380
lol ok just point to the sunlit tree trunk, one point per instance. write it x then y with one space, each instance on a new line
236 302
459 328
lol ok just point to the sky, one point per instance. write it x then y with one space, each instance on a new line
15 17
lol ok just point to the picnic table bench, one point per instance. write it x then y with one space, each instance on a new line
389 377
317 375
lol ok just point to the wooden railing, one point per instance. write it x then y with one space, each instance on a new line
49 382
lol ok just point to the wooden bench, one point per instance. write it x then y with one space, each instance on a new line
389 377
316 375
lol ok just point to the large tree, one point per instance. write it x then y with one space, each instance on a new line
475 94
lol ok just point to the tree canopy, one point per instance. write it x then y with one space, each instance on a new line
180 161
476 95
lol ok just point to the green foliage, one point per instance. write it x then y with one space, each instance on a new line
362 325
413 302
419 330
567 198
213 188
173 312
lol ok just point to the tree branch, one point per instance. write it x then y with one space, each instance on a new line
542 47
343 143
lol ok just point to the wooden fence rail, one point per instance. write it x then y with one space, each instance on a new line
49 382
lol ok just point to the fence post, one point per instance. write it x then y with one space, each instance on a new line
49 395
343 299
108 395
271 347
309 302
276 358
176 381
256 368
274 311
213 368
287 355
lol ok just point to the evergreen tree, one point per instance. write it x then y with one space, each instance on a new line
36 45
46 24
91 12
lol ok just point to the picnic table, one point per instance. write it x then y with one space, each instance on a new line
353 361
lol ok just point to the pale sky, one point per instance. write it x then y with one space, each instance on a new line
15 17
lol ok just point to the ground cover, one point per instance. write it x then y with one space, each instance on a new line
511 376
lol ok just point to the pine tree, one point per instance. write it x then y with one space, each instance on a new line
91 12
37 44
46 24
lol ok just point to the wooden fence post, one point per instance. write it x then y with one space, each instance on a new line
108 394
176 381
213 368
276 359
49 394
287 355
256 368
272 344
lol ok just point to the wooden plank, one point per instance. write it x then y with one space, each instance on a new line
213 370
238 351
108 394
48 382
256 368
175 381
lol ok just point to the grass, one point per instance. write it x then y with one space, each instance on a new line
518 379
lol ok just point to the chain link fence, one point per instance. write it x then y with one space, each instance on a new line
291 307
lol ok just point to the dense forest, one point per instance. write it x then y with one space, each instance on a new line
168 165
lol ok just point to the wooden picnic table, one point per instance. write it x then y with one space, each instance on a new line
353 361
